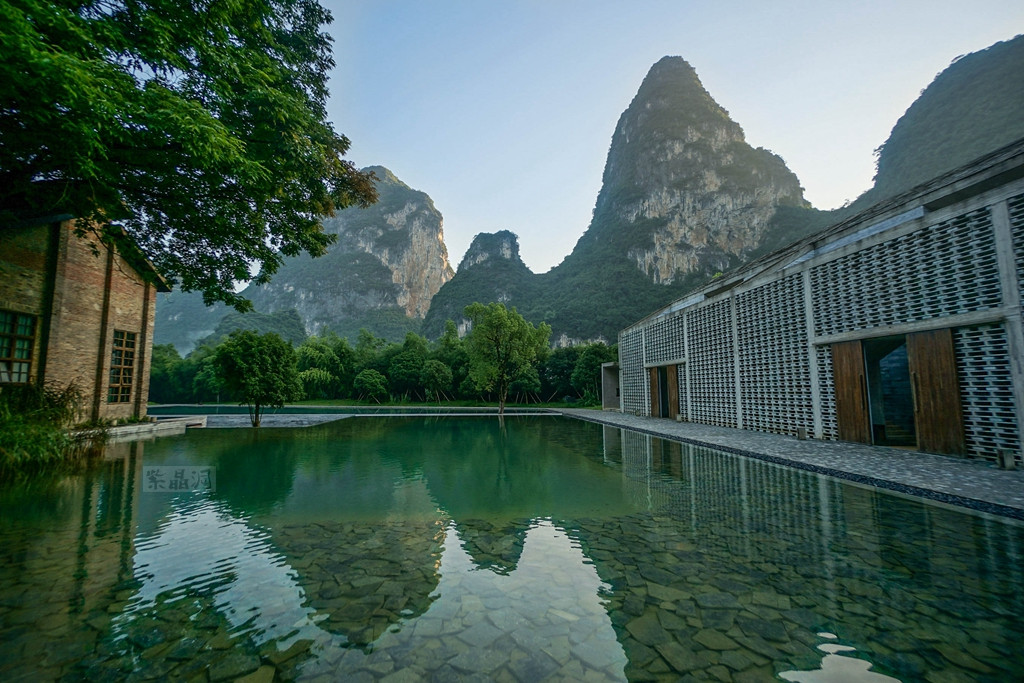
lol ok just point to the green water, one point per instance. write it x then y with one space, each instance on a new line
537 548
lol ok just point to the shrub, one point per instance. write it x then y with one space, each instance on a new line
35 428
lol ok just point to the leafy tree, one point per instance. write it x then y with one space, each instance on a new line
526 385
586 375
259 370
502 346
207 383
346 356
317 382
451 350
436 378
416 344
405 370
371 384
319 368
196 131
165 374
556 373
368 348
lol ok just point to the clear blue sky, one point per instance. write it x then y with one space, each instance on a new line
502 111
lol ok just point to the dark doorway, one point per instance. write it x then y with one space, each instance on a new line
663 391
890 395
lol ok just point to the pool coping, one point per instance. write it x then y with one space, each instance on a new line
980 486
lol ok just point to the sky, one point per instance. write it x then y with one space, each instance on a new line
503 110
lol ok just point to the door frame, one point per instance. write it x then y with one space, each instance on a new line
671 389
938 415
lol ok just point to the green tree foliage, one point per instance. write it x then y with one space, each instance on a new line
258 370
200 376
405 370
586 374
165 374
526 387
200 128
369 349
406 366
556 374
436 379
328 365
370 384
320 369
502 346
451 350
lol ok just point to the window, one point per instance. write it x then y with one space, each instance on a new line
17 337
122 366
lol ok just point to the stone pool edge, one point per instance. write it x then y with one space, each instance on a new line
623 421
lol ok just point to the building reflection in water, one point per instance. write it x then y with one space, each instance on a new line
681 541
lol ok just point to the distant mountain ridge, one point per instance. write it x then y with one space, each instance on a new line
683 198
973 107
381 273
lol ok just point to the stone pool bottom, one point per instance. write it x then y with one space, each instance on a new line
725 601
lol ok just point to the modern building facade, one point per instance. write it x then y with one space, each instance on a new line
73 312
901 326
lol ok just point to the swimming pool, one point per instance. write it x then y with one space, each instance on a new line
539 547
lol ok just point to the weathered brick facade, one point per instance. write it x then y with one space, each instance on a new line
80 293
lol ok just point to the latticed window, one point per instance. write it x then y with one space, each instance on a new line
122 367
17 337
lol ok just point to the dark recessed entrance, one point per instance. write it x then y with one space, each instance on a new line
890 395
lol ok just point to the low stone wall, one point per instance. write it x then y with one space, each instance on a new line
165 427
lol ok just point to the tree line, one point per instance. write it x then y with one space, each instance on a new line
502 358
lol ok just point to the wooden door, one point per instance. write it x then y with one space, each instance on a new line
655 403
939 420
851 392
672 377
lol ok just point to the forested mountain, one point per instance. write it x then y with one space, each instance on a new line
683 197
387 263
973 107
491 270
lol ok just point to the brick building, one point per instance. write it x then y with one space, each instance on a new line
73 311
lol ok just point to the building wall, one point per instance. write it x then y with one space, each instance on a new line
91 292
23 265
758 355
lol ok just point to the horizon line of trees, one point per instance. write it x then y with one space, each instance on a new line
452 368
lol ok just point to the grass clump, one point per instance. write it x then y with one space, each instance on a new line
36 424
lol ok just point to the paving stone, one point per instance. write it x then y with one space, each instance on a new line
264 674
648 630
717 601
715 640
233 665
477 661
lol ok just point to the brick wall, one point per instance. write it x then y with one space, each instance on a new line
95 292
23 276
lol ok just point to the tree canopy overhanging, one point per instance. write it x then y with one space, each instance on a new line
199 127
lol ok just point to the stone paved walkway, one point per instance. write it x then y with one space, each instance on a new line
970 483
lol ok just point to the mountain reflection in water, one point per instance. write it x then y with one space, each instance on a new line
459 547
